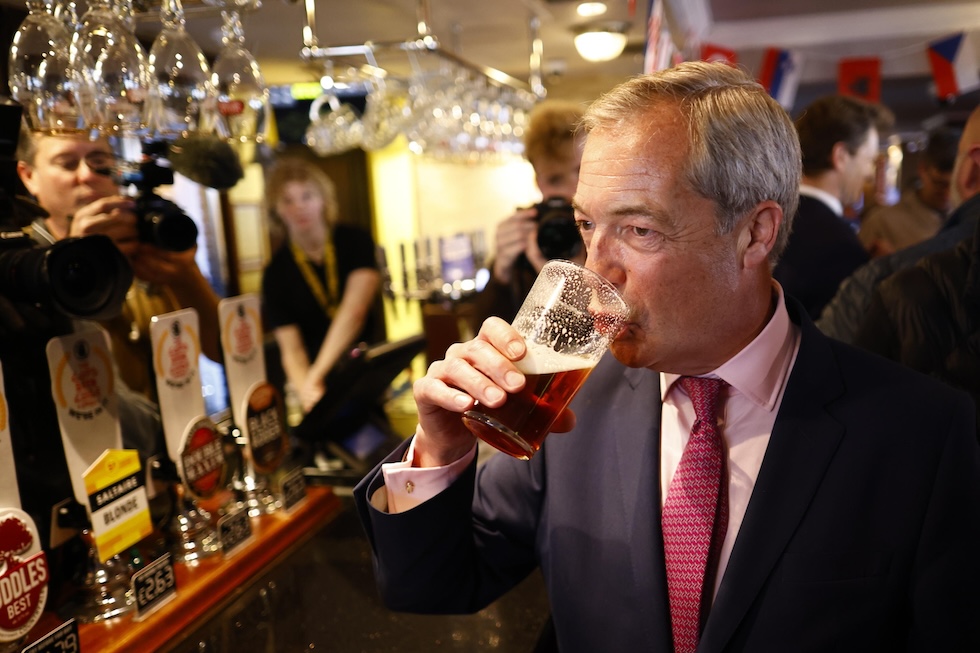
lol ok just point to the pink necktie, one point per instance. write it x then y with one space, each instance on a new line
695 516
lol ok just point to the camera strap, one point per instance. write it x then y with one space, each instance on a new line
327 297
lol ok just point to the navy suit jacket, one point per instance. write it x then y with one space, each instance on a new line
822 251
861 533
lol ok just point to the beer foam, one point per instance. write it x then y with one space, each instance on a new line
544 360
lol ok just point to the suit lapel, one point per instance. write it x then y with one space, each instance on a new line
804 440
637 444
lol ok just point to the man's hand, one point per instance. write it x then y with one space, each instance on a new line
160 266
112 217
515 236
479 370
311 392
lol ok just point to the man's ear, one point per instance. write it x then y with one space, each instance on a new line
758 233
968 176
838 154
26 173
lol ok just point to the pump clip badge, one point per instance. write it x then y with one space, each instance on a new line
202 459
23 575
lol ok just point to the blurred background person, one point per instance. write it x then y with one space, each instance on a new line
71 179
923 206
927 317
320 286
839 137
842 316
554 150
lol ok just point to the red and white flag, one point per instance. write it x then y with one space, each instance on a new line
712 52
954 65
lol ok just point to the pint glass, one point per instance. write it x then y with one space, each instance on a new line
568 320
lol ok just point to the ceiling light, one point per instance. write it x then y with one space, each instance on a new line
601 42
591 9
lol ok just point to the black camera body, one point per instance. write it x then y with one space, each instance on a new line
558 236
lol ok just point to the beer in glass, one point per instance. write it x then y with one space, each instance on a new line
568 320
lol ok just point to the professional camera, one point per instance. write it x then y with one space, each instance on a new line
160 221
80 277
558 237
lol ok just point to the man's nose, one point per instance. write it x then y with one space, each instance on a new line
87 172
603 258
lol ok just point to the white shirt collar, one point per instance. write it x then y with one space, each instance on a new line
819 194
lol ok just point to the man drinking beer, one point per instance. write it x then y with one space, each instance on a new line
731 479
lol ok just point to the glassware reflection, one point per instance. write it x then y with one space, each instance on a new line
109 68
243 98
335 131
181 94
39 72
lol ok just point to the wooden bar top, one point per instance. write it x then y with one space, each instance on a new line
204 588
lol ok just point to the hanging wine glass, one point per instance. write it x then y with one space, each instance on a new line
109 67
181 94
243 98
66 11
39 72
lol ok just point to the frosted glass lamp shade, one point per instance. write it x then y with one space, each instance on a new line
600 44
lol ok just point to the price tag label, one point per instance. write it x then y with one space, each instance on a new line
234 530
154 586
293 488
63 639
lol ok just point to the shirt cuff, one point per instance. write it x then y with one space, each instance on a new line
407 486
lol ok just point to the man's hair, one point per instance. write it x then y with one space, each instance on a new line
26 144
295 169
941 148
551 131
836 119
743 146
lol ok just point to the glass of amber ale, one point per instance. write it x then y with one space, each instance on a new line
568 320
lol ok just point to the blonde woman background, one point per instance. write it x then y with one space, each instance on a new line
321 284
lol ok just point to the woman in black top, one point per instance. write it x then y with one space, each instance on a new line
319 288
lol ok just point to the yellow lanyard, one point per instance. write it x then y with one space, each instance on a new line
328 298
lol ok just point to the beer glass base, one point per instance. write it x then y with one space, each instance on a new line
497 435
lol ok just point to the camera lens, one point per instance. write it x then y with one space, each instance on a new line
80 277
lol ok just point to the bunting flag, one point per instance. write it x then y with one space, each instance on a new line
659 45
780 75
954 66
712 52
860 78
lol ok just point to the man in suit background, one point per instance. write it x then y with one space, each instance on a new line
839 137
842 316
849 506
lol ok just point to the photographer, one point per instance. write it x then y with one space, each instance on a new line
71 179
555 152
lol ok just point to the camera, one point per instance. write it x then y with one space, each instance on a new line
558 237
160 222
78 277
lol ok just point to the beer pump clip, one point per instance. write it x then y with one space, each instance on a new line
23 565
105 478
257 406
